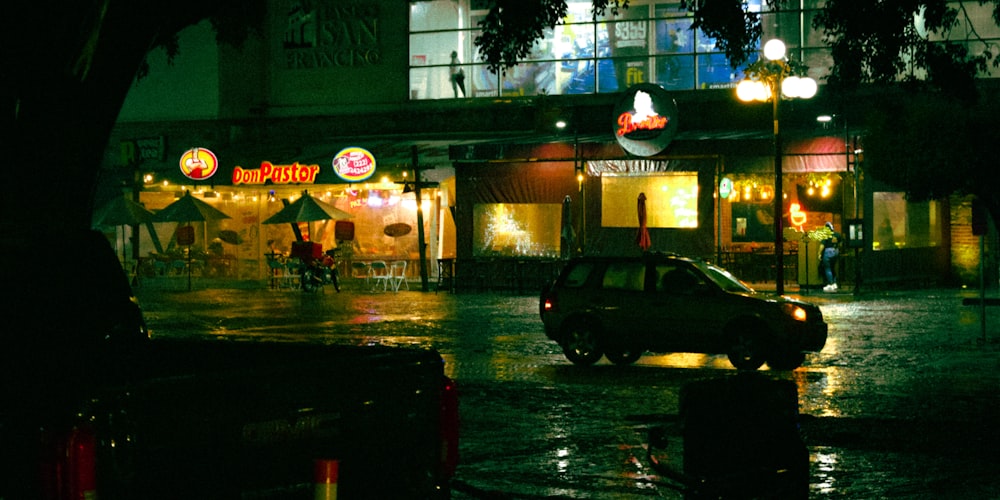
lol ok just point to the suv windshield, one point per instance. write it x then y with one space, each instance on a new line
726 281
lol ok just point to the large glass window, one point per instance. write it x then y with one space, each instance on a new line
648 42
671 200
516 229
651 41
903 224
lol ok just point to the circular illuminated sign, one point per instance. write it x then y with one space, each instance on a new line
725 187
354 164
645 119
199 163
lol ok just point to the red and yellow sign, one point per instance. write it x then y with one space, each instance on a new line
645 119
354 164
277 174
797 216
199 163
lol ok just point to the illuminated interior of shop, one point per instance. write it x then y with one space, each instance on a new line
248 242
517 230
671 200
899 223
814 198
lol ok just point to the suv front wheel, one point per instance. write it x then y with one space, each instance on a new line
623 356
580 343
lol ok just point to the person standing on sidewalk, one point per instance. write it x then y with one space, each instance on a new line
828 259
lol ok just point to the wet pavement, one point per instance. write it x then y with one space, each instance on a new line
901 403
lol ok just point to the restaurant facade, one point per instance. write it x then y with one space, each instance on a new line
516 171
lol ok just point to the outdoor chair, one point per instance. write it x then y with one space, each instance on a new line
361 270
397 275
380 275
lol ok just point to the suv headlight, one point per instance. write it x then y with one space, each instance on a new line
796 312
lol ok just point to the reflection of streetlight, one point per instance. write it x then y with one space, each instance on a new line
767 76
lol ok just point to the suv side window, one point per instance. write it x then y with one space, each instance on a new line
675 279
625 276
577 276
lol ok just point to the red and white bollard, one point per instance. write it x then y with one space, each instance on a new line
326 473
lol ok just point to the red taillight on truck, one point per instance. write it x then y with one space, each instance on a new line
449 427
69 464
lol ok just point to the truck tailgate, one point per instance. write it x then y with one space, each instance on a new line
250 420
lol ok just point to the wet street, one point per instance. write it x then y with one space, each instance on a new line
901 403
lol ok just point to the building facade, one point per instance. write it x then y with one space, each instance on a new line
524 166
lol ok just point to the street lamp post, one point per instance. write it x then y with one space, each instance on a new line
774 77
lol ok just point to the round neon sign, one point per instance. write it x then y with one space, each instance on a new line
354 164
199 163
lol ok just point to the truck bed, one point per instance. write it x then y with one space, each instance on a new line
221 419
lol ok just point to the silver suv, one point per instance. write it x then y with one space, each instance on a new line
621 307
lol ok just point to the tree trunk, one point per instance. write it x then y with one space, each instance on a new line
69 66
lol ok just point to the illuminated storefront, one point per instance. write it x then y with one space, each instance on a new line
241 246
502 183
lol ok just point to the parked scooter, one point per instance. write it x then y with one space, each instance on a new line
318 272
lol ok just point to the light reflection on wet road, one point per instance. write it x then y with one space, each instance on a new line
900 404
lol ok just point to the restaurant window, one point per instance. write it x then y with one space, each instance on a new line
516 229
671 200
900 223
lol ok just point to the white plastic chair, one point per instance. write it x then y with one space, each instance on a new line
397 275
381 275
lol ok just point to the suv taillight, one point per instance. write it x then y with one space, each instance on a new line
69 464
449 427
548 303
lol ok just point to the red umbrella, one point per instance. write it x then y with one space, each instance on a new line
643 237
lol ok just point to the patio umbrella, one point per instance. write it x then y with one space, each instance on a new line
567 233
190 209
121 212
307 209
642 238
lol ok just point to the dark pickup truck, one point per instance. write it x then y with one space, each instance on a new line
92 408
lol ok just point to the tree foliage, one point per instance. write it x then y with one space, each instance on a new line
935 145
512 27
737 31
871 42
71 64
891 40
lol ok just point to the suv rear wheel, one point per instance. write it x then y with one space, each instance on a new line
580 343
747 351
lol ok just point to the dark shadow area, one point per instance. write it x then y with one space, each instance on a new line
741 440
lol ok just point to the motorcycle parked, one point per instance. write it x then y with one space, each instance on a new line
318 272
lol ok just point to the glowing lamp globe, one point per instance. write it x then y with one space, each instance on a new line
791 86
807 87
745 90
774 50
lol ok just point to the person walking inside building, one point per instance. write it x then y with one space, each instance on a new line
457 75
828 259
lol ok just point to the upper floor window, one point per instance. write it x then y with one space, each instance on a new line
650 41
